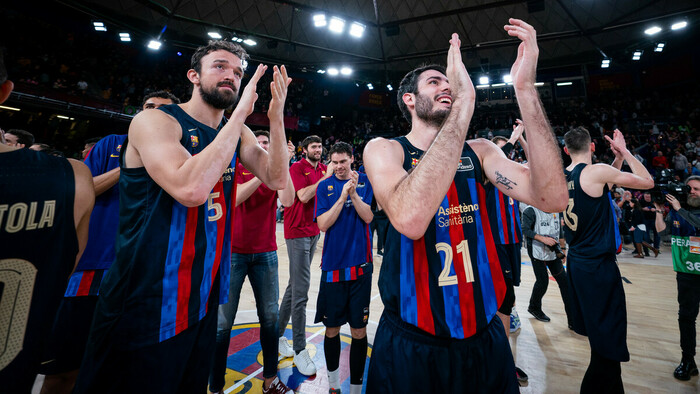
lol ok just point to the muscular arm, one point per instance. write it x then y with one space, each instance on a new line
245 190
286 195
83 203
104 182
411 200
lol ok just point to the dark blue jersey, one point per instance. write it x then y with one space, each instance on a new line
504 215
38 251
169 256
590 224
448 283
347 243
104 220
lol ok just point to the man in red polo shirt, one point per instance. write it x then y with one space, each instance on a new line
253 254
301 235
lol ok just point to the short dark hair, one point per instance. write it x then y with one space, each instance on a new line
310 140
164 94
258 133
92 140
23 136
42 147
340 147
196 62
499 138
577 139
409 84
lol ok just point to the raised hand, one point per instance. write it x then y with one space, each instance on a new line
525 67
291 149
250 94
354 178
675 204
461 86
278 88
518 129
617 143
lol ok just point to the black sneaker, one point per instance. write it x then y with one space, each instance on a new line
685 370
539 315
522 376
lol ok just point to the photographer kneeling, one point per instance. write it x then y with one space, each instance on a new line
685 251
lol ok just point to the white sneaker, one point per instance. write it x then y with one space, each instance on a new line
285 349
304 363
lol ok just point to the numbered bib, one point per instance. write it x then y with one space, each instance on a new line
686 254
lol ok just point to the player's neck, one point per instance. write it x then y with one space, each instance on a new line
4 148
314 163
582 158
422 134
203 112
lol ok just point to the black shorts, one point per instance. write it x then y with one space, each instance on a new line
509 257
69 335
408 360
345 302
180 364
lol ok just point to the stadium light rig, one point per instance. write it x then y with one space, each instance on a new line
483 80
346 70
320 20
336 25
370 86
679 25
507 79
637 55
357 29
125 37
652 30
389 87
605 63
332 71
99 26
250 42
154 45
214 35
660 47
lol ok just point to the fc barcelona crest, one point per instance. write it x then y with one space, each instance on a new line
195 140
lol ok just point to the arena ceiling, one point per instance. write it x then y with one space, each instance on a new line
401 34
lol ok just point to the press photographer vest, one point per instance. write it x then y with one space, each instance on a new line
548 225
685 245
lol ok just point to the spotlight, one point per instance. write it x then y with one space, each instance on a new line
482 86
250 42
125 37
484 80
370 86
390 87
652 30
605 63
679 25
539 83
498 85
507 78
333 71
346 71
564 83
214 35
236 39
320 20
336 25
637 55
179 53
99 26
154 45
660 47
357 29
321 71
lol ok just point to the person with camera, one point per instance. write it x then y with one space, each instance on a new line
684 226
543 233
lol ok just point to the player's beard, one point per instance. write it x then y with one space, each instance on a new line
694 201
219 98
425 112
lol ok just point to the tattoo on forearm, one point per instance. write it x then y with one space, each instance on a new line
504 181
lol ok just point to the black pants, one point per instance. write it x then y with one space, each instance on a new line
542 282
381 225
688 303
603 376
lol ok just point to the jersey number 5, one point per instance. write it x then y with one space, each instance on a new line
570 218
445 279
16 286
218 211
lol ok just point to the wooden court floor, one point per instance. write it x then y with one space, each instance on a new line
554 357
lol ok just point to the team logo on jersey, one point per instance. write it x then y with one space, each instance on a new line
195 140
119 148
510 201
676 224
330 188
465 164
361 184
414 162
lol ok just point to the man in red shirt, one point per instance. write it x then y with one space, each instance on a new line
301 235
254 253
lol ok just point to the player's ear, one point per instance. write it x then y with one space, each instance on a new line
566 150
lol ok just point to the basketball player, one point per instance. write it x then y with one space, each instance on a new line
597 297
441 281
155 320
254 254
72 325
343 212
45 205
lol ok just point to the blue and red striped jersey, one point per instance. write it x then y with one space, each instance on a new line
504 214
348 242
448 283
169 256
590 224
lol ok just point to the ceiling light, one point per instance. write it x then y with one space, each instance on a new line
100 28
332 71
179 53
507 78
483 80
154 44
214 35
565 83
498 85
652 30
679 25
370 86
357 29
62 117
346 71
125 37
539 83
320 20
482 86
336 25
390 87
321 71
236 39
9 108
250 42
98 24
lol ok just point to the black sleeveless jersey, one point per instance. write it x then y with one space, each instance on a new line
172 263
38 247
590 225
449 283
